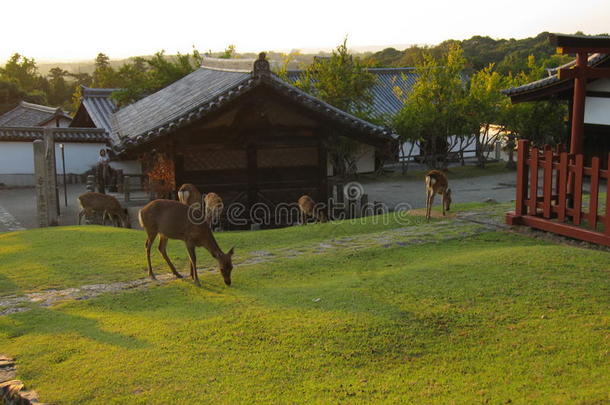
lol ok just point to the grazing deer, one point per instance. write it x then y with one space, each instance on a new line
108 205
308 208
437 183
189 194
170 220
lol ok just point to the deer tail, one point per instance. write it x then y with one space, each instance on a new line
430 181
140 219
183 196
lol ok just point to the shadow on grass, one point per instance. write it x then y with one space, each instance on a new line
58 322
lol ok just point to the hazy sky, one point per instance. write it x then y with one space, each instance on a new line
79 29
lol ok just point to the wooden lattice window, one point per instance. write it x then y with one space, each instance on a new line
287 157
207 159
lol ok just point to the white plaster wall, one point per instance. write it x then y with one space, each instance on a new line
366 159
79 156
364 164
597 110
18 157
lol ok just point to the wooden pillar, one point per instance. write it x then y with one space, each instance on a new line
252 175
578 104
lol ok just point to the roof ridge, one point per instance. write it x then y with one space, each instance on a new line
39 107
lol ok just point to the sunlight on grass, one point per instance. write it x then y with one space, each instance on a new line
491 318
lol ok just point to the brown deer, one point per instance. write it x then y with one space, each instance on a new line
170 220
308 208
213 205
437 183
108 205
213 208
189 194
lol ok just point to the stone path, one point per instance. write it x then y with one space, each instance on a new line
9 222
465 224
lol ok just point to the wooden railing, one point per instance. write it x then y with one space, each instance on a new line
550 194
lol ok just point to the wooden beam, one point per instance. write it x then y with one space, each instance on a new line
567 50
562 229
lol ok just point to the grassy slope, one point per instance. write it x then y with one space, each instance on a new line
71 256
458 322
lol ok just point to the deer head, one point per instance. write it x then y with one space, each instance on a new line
226 265
448 199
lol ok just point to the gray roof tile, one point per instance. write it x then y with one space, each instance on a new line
29 134
29 114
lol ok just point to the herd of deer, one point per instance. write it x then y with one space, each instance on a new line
170 219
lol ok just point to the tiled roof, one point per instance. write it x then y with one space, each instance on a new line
206 90
29 134
553 79
99 105
29 114
176 104
391 85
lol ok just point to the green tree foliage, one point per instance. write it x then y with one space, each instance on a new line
23 71
144 76
508 55
490 107
104 74
542 122
229 53
438 107
59 89
19 81
343 81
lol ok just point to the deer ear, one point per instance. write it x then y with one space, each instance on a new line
230 252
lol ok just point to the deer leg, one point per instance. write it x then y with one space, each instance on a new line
190 248
429 204
149 241
80 215
443 203
162 248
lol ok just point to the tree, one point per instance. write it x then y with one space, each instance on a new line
22 70
542 122
104 75
490 107
344 82
438 108
143 76
59 90
229 52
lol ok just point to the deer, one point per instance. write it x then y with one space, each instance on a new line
108 205
170 219
213 205
189 194
437 183
308 208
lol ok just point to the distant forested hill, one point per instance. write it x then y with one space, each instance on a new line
509 55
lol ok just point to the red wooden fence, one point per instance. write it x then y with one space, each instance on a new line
550 194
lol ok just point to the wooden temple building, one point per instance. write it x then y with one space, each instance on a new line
234 129
551 184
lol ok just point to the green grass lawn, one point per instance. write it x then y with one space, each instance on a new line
490 318
63 257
